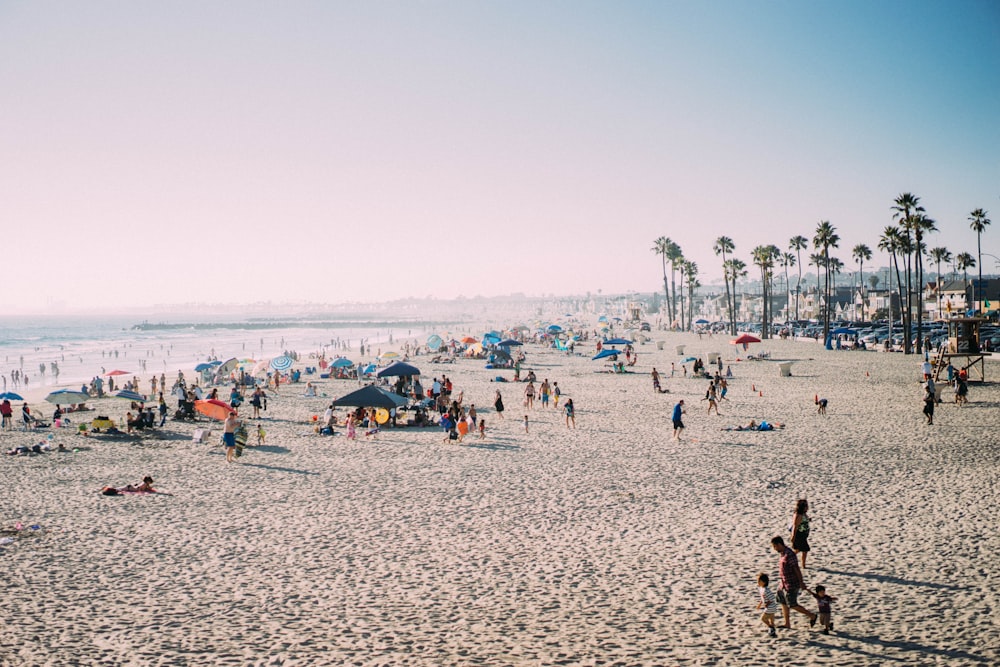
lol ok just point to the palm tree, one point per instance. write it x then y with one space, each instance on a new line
921 225
906 205
826 237
675 257
797 243
661 247
689 270
787 260
861 254
724 245
978 222
889 242
939 255
763 258
816 259
735 268
963 262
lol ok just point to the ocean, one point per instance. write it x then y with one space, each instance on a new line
83 347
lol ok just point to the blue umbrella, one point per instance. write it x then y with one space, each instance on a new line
11 396
491 338
843 330
554 328
618 341
343 362
131 396
606 353
508 342
602 318
368 370
282 363
204 366
701 321
215 362
688 360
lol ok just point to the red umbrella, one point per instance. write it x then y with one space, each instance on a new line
743 339
116 372
213 408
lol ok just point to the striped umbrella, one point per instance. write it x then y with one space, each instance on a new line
282 363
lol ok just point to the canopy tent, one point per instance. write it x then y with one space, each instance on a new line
618 341
370 397
398 368
603 354
434 342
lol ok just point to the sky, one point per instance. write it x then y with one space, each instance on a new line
169 152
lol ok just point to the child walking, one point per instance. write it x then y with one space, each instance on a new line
767 603
823 600
525 423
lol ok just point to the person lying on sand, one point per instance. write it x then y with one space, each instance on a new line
145 487
754 426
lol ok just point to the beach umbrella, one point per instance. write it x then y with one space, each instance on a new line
227 367
260 367
371 397
213 408
491 338
434 342
554 328
398 368
602 318
282 363
509 342
369 369
618 341
133 396
215 362
204 366
342 362
66 397
743 339
701 321
389 355
11 396
116 372
606 353
688 360
469 340
843 330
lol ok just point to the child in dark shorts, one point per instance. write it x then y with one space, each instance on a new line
823 600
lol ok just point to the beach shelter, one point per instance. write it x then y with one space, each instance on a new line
603 354
213 408
371 397
434 342
133 396
743 339
66 397
398 368
369 369
342 362
509 342
618 341
282 363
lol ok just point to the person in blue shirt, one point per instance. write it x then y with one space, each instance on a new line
678 424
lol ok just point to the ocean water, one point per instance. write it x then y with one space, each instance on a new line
89 346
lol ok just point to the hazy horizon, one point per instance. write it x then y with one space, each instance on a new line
363 152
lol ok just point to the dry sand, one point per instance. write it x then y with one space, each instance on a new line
608 544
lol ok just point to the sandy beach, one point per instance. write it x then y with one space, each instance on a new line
609 544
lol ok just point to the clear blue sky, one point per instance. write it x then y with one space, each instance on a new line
331 151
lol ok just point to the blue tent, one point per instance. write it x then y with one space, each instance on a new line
603 354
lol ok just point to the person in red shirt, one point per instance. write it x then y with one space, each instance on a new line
791 582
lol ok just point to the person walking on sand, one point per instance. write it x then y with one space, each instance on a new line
525 423
710 397
800 529
229 437
676 418
824 602
556 394
570 414
498 404
929 403
791 582
767 603
529 395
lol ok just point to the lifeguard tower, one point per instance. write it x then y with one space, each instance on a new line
963 346
634 309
